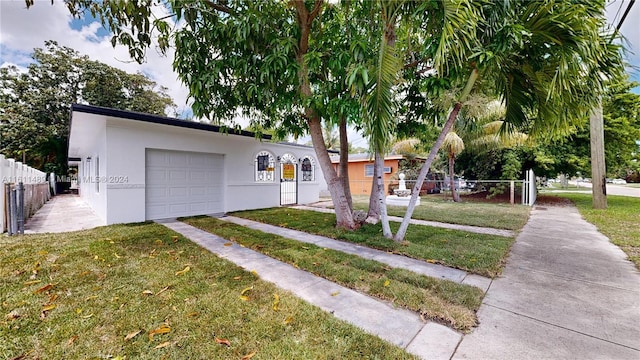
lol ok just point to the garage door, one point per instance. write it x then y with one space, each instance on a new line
182 183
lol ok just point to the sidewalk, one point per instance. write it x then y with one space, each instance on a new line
401 327
566 293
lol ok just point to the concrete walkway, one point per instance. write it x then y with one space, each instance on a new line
396 261
566 293
401 327
63 213
468 228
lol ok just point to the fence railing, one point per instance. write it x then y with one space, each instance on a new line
24 190
524 189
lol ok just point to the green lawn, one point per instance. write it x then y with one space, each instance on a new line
620 222
141 291
476 253
499 216
443 301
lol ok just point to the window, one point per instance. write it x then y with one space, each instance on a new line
368 170
265 167
308 165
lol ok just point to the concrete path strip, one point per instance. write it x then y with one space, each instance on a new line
401 327
393 260
468 228
63 213
566 293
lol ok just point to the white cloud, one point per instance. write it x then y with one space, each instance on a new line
22 30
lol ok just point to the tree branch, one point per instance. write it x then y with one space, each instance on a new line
219 7
316 10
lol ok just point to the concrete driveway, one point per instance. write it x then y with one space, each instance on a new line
63 213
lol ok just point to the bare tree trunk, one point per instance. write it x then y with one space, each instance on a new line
452 182
344 161
402 231
344 215
378 164
374 204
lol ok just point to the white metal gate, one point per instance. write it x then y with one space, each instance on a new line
529 191
288 180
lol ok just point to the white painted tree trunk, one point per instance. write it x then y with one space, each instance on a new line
379 164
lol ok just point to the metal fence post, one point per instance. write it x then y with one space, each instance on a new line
20 214
14 213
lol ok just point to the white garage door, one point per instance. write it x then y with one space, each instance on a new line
180 183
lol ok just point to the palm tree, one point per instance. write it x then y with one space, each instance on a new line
542 58
453 145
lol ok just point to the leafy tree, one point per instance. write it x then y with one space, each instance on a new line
34 115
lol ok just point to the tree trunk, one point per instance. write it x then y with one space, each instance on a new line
432 154
381 196
374 204
344 215
344 161
452 182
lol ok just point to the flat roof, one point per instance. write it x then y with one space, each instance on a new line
163 120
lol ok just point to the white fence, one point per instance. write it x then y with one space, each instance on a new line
36 189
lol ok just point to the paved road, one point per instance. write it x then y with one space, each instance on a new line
566 293
613 189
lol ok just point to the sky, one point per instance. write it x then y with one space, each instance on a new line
22 30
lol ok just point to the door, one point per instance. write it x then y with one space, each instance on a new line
288 180
180 183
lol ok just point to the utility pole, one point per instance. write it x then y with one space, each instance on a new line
598 167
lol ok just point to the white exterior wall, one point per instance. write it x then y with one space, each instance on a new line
121 148
87 181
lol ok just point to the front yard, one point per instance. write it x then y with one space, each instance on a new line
141 291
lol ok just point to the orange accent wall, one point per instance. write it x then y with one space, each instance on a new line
360 184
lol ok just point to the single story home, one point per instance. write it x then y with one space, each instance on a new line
134 167
361 171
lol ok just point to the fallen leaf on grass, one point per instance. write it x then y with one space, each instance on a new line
246 290
288 320
32 282
276 302
193 314
163 290
386 283
163 329
132 335
244 298
53 297
147 292
117 256
223 341
174 238
72 339
183 271
228 244
91 297
248 356
14 314
431 261
44 288
87 316
164 344
48 307
237 277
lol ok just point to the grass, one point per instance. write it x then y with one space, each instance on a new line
444 301
499 216
79 295
620 222
477 253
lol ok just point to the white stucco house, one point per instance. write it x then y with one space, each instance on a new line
134 167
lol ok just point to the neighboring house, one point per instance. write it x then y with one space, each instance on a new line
135 167
361 171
